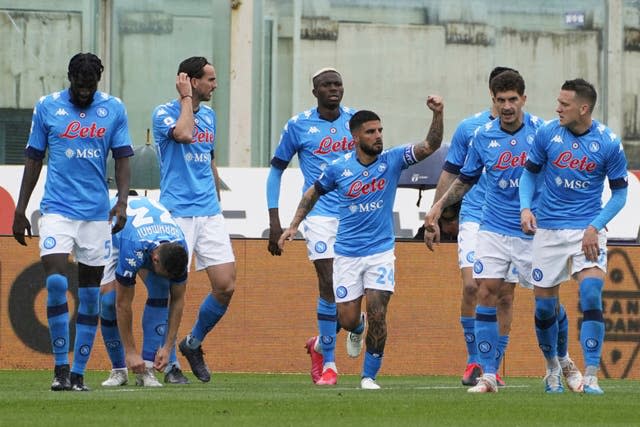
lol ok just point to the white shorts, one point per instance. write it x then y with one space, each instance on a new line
498 256
320 234
554 250
352 275
88 241
208 238
467 240
109 274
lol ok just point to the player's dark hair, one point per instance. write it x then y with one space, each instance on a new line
173 258
506 81
583 90
85 65
499 70
194 66
361 117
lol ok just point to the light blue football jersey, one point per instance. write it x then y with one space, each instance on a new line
473 201
317 142
78 141
502 155
187 184
148 224
366 195
575 169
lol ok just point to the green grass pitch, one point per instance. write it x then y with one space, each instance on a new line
291 400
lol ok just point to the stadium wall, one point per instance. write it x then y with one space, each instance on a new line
273 313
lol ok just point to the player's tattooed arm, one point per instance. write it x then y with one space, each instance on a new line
455 193
434 137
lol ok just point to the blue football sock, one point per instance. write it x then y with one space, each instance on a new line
327 316
86 326
469 330
563 332
503 342
547 326
154 325
109 329
58 317
371 365
211 311
360 328
487 337
592 328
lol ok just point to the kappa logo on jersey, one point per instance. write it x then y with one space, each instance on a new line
328 145
508 160
346 173
566 160
557 139
61 112
359 188
313 130
76 130
132 262
494 144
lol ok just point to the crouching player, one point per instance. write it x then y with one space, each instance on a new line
151 246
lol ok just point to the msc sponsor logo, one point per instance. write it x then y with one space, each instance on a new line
198 157
366 207
574 184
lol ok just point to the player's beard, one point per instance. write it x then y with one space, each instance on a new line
373 150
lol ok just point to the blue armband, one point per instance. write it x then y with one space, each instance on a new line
611 209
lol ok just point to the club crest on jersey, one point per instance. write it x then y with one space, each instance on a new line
594 147
102 112
530 139
382 167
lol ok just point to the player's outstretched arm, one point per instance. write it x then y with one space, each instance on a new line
32 168
309 199
434 137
